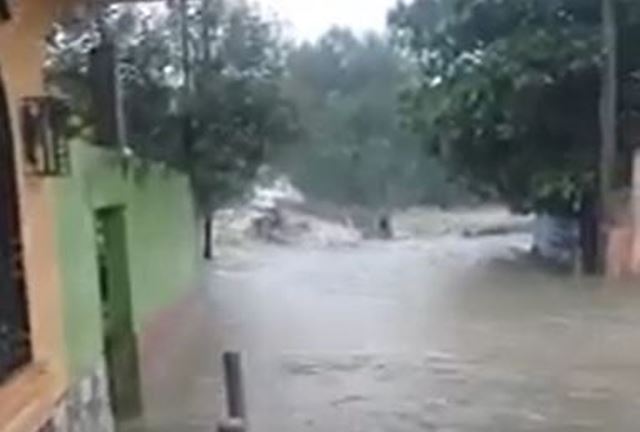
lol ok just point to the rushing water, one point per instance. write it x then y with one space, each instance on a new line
412 336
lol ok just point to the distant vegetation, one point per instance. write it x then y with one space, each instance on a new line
354 148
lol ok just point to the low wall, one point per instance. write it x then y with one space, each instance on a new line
161 247
161 242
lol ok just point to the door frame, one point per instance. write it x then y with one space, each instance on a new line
119 335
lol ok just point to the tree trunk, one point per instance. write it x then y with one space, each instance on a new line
208 238
590 253
608 126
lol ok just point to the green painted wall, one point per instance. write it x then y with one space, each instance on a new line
161 237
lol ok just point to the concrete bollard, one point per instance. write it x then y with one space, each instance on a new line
236 403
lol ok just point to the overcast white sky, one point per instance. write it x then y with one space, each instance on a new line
310 18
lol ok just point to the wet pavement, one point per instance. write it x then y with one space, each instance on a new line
408 336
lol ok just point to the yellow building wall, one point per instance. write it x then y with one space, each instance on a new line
26 400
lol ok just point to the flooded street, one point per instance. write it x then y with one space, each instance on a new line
413 336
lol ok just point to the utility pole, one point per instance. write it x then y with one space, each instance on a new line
187 125
608 124
106 83
187 114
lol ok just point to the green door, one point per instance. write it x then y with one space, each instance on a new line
120 345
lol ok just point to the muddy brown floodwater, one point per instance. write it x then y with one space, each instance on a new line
409 336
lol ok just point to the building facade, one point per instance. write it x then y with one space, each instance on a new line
97 257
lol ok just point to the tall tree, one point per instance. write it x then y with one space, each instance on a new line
232 114
510 95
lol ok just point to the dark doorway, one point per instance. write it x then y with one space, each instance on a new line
15 348
120 345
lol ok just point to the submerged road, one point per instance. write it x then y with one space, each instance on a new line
408 336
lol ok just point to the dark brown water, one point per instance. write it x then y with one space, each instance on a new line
410 336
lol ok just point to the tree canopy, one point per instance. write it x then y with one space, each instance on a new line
202 87
354 149
509 92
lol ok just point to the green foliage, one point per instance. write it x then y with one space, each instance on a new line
509 94
354 149
216 111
